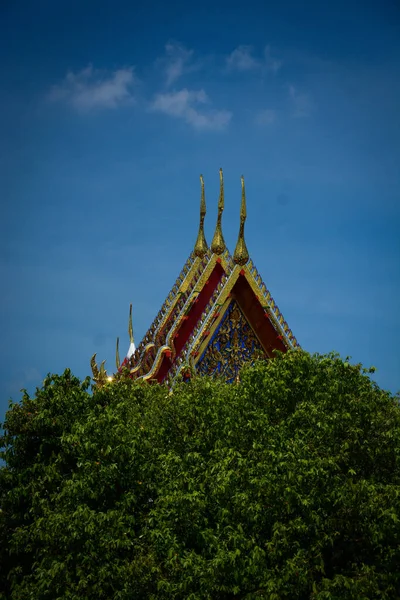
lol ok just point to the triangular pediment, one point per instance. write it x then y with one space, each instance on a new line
232 344
244 286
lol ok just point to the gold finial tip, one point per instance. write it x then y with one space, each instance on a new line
117 359
130 326
241 254
202 199
218 242
200 248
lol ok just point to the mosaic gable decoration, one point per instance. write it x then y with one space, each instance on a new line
232 345
218 315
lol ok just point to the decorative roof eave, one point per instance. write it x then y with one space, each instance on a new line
169 346
271 308
185 274
188 276
196 293
162 352
134 370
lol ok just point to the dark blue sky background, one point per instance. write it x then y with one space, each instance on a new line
109 111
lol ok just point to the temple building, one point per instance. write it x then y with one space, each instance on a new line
218 315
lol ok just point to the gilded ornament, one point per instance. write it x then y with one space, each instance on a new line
241 254
130 326
218 244
200 248
117 359
233 344
95 370
99 375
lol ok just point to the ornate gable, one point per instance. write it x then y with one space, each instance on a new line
218 315
232 343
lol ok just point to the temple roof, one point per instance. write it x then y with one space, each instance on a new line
215 296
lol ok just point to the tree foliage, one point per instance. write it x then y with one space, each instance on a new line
285 486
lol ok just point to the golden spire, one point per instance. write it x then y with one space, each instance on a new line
241 254
201 247
218 243
117 360
130 327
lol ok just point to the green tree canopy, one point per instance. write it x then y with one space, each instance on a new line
285 486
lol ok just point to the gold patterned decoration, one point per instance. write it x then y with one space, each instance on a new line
233 344
201 247
218 244
191 266
166 342
241 254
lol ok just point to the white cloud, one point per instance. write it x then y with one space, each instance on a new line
177 62
267 116
272 64
91 88
302 104
184 104
242 59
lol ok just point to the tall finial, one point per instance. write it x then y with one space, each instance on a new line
218 243
201 247
130 327
241 254
132 347
117 360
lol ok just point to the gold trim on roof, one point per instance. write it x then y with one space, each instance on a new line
190 270
241 254
200 248
213 314
169 345
170 311
218 243
260 291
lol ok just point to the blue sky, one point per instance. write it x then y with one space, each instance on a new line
109 113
